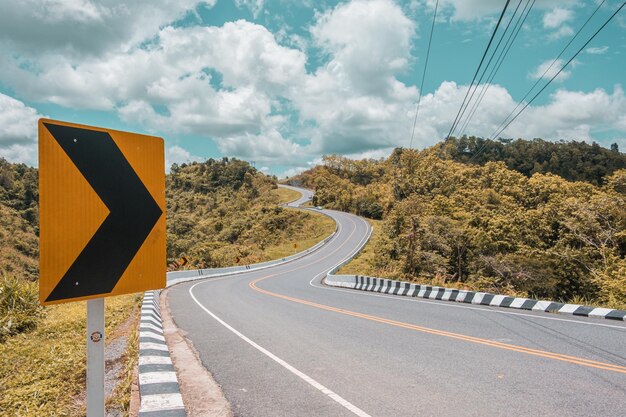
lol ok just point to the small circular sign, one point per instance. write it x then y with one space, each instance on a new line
96 337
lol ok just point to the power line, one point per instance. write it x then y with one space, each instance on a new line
562 68
549 67
419 98
478 69
493 54
536 82
503 53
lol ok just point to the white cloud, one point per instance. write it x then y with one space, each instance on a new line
178 155
467 10
18 131
293 171
266 147
556 17
174 76
87 27
597 50
17 153
18 122
355 99
369 42
573 115
549 68
555 20
567 115
239 86
255 6
563 32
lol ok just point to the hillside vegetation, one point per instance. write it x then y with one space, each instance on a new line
219 212
485 227
19 220
574 161
19 251
225 212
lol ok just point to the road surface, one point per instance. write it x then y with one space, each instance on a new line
281 344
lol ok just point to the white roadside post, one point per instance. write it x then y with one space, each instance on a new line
95 357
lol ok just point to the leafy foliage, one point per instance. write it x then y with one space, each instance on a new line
224 212
19 309
485 227
19 220
574 161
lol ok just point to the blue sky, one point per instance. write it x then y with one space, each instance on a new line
282 83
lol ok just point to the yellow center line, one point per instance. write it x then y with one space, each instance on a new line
458 336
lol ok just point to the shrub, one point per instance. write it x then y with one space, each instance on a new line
19 306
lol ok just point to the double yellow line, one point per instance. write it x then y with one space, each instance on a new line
515 348
458 336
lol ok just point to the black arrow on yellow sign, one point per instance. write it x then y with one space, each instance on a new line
132 212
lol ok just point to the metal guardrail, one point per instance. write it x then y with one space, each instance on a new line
177 277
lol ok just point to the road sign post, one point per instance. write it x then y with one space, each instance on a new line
102 225
95 357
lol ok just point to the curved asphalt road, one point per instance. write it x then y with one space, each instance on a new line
281 344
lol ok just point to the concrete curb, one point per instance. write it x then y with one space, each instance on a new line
401 288
159 392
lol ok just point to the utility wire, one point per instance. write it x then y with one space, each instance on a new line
419 98
493 54
493 135
562 68
503 53
478 69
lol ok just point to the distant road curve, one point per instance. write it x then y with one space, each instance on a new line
282 344
305 195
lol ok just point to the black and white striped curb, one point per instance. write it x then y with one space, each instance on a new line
158 385
388 286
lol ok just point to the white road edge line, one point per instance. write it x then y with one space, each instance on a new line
336 397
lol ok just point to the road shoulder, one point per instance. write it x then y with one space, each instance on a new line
201 394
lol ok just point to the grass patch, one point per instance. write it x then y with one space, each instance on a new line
42 373
362 263
19 306
316 227
120 398
285 195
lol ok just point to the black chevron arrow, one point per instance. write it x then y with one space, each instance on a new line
132 212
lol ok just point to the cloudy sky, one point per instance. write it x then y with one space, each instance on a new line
283 82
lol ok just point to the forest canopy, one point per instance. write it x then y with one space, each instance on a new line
223 212
486 226
574 161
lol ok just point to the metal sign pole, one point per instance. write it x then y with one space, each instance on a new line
95 357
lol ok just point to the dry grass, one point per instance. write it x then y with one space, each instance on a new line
315 228
42 373
120 398
362 263
286 195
